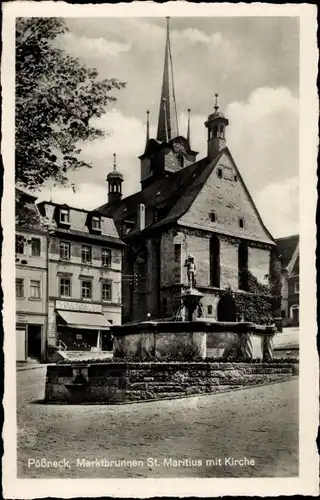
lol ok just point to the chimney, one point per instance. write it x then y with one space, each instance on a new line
141 217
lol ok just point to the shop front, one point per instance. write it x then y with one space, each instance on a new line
84 328
29 337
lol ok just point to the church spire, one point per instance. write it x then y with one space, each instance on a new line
188 132
168 118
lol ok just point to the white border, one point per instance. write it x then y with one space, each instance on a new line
307 482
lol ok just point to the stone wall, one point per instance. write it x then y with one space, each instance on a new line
113 383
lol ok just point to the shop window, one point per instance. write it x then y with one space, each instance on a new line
65 287
86 289
19 288
106 289
64 250
106 257
86 254
19 244
34 289
35 247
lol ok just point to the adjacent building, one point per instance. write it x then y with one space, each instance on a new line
288 250
31 279
68 278
188 207
84 277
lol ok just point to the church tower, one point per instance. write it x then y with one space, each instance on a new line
216 125
115 180
169 151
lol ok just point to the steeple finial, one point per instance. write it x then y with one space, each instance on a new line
114 161
216 106
188 133
148 127
168 117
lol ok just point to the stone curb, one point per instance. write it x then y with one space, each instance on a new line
24 368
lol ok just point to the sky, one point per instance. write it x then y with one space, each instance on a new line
253 63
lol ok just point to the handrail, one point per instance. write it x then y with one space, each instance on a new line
61 345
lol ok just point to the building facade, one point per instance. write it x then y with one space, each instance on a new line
31 281
68 278
84 277
188 207
288 250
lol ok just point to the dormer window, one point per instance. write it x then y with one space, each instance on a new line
96 222
64 216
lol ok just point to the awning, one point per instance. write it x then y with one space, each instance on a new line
85 321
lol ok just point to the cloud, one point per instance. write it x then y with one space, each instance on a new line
278 204
263 136
197 36
81 46
86 195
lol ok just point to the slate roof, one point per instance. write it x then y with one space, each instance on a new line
286 247
172 193
27 213
89 236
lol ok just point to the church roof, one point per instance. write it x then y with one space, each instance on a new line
170 196
286 248
163 193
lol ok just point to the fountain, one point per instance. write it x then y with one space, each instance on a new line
163 359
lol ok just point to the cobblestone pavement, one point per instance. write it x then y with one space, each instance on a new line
260 424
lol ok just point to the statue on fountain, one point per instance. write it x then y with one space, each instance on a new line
191 271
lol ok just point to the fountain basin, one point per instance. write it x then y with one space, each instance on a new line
192 340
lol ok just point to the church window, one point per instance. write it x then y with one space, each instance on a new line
219 173
221 131
215 261
243 266
213 216
241 222
215 131
209 309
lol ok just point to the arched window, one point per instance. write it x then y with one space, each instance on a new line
215 261
215 131
243 266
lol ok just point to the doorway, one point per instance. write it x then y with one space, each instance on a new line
226 309
34 341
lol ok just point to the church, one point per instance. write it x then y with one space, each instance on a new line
188 207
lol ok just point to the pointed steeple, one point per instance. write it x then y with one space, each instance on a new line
188 132
168 118
148 128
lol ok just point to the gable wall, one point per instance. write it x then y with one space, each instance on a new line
229 200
